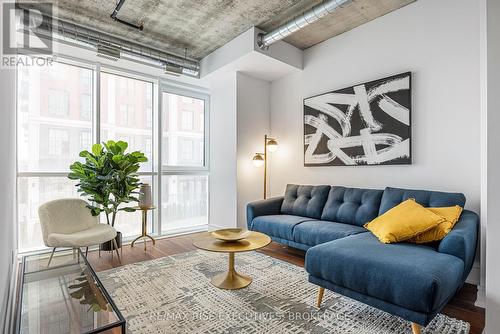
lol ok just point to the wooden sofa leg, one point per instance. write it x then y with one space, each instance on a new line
321 292
415 328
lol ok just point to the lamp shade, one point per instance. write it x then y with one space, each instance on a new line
258 160
272 145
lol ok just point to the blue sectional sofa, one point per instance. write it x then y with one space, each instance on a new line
408 280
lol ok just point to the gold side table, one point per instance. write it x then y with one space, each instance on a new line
231 279
145 234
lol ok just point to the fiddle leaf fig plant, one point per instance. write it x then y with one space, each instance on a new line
108 177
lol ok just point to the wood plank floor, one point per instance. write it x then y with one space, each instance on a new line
461 307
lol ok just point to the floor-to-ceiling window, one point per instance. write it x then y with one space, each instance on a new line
51 129
184 196
126 113
66 108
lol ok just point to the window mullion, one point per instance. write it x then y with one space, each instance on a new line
159 128
97 104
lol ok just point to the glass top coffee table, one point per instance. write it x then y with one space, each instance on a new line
66 297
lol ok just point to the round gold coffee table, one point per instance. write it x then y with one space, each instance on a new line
231 280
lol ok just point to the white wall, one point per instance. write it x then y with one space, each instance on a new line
239 119
223 187
253 119
439 42
243 51
8 239
491 159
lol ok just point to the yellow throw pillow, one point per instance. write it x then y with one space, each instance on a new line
403 222
450 214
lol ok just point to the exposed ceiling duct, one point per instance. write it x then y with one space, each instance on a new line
300 21
65 31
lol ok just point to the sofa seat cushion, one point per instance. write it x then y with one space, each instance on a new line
280 226
412 276
315 232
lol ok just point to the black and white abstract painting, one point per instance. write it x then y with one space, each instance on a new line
367 124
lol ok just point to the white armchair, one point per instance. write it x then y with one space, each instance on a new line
69 223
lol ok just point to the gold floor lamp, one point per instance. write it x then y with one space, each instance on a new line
260 159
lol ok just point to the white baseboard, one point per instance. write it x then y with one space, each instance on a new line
9 322
481 297
475 274
212 227
183 230
475 278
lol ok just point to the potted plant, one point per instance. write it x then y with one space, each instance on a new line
108 177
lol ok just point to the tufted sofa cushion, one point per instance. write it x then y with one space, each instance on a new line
351 205
394 196
305 201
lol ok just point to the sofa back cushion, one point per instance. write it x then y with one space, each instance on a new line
305 201
394 196
351 205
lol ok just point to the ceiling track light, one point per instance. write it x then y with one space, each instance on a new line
108 52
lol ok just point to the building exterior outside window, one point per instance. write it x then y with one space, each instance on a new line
187 120
85 140
86 107
186 148
58 142
58 102
86 79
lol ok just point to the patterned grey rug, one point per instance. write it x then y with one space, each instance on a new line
174 295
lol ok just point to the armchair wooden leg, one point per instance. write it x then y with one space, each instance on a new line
115 246
415 328
51 255
86 251
321 292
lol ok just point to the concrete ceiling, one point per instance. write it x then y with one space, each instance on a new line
201 26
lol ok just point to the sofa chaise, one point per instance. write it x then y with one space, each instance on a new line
412 281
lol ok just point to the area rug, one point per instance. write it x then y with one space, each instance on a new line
174 295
